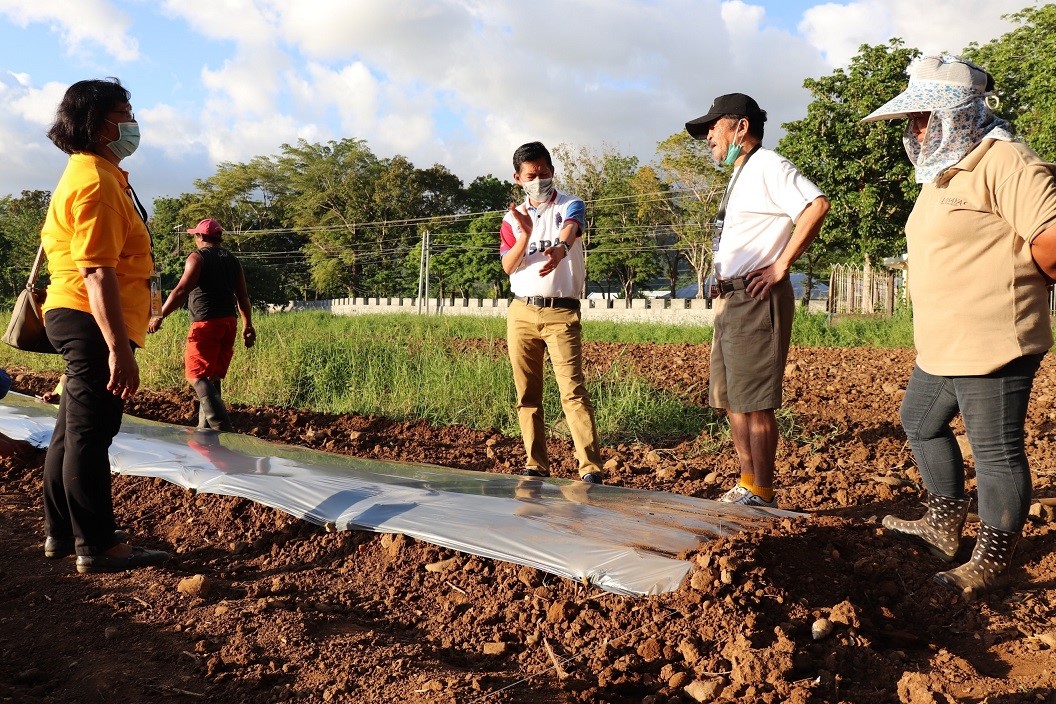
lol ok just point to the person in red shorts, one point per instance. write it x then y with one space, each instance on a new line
214 288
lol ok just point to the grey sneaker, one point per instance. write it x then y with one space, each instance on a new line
734 495
743 496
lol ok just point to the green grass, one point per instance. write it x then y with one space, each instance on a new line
815 330
404 367
660 333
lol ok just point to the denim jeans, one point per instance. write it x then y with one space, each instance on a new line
994 409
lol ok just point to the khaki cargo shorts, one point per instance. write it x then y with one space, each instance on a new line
749 349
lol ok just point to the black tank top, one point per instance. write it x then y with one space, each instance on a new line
214 296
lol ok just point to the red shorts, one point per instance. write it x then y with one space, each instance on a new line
210 346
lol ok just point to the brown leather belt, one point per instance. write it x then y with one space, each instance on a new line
542 302
737 283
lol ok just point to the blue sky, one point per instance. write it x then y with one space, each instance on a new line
456 82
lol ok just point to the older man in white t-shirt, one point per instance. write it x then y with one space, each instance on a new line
542 252
769 215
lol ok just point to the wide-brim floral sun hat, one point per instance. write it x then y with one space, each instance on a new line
936 83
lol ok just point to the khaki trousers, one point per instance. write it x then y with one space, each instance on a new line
531 332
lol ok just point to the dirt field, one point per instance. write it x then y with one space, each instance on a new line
260 607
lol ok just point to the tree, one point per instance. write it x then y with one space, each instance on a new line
1023 64
248 200
398 202
468 262
694 188
626 218
20 222
578 172
861 167
331 197
168 229
486 193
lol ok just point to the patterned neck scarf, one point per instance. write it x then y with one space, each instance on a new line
952 133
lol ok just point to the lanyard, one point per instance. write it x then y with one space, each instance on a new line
143 216
720 216
155 278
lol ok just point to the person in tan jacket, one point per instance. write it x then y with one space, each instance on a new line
982 256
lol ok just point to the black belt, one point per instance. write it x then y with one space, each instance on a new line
737 283
542 302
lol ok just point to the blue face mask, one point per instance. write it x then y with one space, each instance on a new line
127 140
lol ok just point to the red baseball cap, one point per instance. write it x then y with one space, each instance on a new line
207 228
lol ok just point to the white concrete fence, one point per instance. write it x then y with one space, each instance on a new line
678 311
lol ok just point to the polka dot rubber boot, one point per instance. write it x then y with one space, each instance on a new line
988 568
940 528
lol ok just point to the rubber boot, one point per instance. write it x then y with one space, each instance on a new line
940 527
988 568
212 410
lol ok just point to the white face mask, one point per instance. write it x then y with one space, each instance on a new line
127 140
539 189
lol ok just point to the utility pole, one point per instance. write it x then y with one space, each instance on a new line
421 270
423 274
428 255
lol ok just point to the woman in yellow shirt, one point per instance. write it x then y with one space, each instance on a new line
95 313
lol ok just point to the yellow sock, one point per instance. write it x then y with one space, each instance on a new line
746 481
766 493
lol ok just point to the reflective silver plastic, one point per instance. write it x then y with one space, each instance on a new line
625 541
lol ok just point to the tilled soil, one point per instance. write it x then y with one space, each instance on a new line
257 606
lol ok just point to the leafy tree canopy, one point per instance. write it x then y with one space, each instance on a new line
1023 64
861 167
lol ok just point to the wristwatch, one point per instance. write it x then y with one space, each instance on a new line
564 244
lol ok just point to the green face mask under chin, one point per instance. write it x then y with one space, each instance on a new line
732 153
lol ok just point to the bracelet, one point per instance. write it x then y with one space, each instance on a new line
563 244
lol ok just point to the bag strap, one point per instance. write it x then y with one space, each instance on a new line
35 271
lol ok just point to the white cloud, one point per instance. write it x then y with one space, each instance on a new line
742 18
459 82
246 85
88 24
838 29
396 33
245 139
244 21
615 71
171 131
352 90
36 106
30 160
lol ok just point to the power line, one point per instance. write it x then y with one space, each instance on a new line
438 220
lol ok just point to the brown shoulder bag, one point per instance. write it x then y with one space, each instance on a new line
26 329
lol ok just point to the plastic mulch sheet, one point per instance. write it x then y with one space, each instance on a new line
622 540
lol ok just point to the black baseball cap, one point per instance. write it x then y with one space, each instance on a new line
729 104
